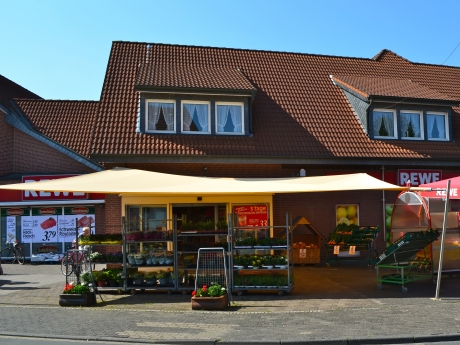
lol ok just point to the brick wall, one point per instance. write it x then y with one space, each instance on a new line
6 147
31 155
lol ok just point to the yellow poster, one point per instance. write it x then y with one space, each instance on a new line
347 213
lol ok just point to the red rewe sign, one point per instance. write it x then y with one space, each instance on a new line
418 177
28 195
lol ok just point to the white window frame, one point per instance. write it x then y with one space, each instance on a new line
241 104
422 130
395 126
147 101
182 116
446 125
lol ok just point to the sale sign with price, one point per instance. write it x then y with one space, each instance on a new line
39 229
252 215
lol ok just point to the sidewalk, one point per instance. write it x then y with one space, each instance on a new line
336 305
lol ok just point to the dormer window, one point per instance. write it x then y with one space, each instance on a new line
229 118
384 124
160 116
437 126
411 125
196 117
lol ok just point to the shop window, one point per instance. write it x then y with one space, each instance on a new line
196 117
229 118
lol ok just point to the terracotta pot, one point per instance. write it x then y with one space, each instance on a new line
101 283
210 303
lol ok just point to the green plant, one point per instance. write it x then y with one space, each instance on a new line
86 277
282 260
222 225
138 275
265 241
99 276
76 289
245 241
163 274
96 256
189 258
188 225
150 275
269 260
206 225
214 290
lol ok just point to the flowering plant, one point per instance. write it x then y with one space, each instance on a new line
73 288
212 291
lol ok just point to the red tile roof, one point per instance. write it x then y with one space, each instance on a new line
186 76
70 123
390 87
10 90
298 112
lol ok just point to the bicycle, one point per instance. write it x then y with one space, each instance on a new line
75 261
13 252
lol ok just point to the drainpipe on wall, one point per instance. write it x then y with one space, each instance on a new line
383 208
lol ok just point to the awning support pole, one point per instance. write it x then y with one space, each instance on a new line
441 253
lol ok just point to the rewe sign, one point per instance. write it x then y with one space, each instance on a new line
42 195
418 177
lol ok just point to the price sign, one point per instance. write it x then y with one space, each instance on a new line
254 215
303 253
351 251
336 249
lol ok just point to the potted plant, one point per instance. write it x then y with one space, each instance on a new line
188 261
77 294
100 278
163 277
180 276
269 261
86 278
214 297
96 257
150 278
222 226
138 278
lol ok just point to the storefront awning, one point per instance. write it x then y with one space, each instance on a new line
139 182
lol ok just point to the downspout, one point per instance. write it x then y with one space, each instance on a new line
383 208
251 130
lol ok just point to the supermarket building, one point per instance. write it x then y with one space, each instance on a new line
220 112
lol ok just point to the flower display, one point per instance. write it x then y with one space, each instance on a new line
73 288
214 290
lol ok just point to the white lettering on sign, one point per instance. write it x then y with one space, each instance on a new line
418 177
42 194
453 192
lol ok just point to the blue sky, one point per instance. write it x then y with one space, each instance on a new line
59 49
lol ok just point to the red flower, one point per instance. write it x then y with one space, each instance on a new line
68 287
193 293
204 288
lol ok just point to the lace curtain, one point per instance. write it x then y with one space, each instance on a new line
201 111
436 126
154 110
410 124
233 112
383 124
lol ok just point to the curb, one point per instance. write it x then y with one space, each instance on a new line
367 341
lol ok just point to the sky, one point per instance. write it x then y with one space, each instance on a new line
60 49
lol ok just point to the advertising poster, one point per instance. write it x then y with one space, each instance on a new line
10 229
252 215
66 225
347 213
388 213
39 229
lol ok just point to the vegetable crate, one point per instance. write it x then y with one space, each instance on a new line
347 242
408 257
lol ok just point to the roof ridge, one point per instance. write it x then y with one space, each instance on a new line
55 100
248 50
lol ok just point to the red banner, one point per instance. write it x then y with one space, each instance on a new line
252 215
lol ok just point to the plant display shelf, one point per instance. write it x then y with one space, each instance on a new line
167 284
403 256
346 236
261 279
